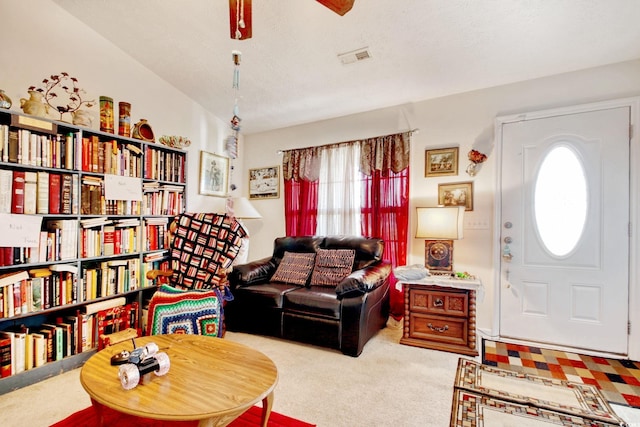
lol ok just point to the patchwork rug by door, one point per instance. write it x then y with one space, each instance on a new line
485 396
618 380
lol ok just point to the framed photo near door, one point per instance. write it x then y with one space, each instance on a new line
214 174
264 183
456 194
441 162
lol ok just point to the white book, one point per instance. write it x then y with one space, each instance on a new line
6 181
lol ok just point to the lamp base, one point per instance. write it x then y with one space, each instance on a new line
438 256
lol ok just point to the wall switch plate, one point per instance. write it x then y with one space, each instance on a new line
476 224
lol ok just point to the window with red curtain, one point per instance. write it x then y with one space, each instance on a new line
384 201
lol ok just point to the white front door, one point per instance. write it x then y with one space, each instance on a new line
564 275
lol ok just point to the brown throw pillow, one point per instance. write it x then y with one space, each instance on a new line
332 265
294 268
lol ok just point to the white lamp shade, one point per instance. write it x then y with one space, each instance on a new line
442 222
243 209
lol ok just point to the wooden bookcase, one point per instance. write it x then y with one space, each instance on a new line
84 213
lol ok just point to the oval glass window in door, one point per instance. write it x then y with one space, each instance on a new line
560 200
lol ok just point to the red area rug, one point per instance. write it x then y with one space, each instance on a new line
618 380
251 418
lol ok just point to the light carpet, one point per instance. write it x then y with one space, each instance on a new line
389 384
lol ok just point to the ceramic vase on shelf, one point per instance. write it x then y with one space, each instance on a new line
82 118
5 101
143 131
106 114
35 105
124 119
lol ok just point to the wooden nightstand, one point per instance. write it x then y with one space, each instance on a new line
440 314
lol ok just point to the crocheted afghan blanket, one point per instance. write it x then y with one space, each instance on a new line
174 311
203 248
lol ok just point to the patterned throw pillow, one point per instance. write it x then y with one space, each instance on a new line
294 268
332 265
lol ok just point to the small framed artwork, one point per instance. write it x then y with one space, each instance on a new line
214 174
456 194
264 183
441 162
438 255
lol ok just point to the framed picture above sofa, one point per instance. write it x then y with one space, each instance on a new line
264 183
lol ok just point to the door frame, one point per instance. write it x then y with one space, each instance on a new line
633 339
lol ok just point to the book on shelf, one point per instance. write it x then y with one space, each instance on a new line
39 349
5 355
56 339
66 194
6 185
103 305
55 182
17 193
108 239
30 192
7 351
42 203
13 277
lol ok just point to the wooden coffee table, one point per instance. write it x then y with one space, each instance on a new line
211 380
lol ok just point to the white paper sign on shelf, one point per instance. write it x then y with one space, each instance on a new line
22 231
122 188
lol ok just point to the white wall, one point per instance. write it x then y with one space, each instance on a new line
465 120
40 39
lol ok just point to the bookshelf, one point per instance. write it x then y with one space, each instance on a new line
83 216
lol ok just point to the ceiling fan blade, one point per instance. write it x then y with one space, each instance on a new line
338 6
240 27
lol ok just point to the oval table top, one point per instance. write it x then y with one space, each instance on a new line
209 378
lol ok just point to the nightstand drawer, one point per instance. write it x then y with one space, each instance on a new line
437 301
452 330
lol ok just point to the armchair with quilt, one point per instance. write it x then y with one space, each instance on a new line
190 296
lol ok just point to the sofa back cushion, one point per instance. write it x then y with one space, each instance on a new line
295 244
331 266
368 250
294 268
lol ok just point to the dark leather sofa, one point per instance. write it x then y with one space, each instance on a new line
343 317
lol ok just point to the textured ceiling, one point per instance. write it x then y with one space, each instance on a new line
420 49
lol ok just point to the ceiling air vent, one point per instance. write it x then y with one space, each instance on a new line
354 56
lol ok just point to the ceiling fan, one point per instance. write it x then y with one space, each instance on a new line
240 15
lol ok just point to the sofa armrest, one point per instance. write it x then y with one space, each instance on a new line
365 280
253 273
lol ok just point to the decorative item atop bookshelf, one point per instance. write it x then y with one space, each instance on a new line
43 98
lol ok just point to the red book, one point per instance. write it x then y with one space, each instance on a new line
55 186
66 194
17 193
86 163
5 356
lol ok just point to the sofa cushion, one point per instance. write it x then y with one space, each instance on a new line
316 301
269 295
294 268
368 249
331 266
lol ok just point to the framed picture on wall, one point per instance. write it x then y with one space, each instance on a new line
456 194
264 183
214 174
441 162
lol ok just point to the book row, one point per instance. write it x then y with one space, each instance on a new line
28 192
99 236
26 148
89 154
24 292
26 347
164 165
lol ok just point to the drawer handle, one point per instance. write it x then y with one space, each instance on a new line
438 302
437 329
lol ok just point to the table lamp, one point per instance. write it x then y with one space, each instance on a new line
241 208
440 226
